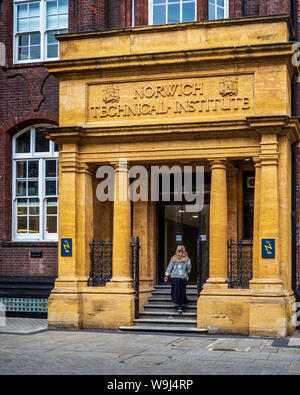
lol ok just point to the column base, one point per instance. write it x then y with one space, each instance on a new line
239 311
92 307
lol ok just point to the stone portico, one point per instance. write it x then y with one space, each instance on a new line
215 94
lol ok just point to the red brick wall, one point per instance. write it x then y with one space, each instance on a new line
15 260
87 15
114 14
274 7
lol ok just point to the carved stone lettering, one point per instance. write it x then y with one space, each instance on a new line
201 96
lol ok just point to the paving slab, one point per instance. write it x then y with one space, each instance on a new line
28 347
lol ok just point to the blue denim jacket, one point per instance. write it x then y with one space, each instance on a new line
179 269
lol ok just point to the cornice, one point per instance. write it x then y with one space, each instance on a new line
211 56
249 127
179 27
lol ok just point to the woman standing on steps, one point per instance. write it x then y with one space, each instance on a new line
179 269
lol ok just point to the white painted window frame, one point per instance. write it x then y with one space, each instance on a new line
150 13
226 8
41 157
43 31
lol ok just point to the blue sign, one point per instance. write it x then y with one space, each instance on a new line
179 238
66 247
268 248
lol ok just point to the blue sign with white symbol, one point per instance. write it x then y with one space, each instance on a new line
66 247
179 238
268 248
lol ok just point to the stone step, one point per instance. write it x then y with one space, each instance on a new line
154 315
167 291
169 307
171 329
166 322
167 298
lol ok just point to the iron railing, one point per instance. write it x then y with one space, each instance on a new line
239 263
101 262
202 263
135 271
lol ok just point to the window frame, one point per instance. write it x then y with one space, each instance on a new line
150 13
41 157
226 10
42 30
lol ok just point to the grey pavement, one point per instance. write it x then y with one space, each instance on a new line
28 347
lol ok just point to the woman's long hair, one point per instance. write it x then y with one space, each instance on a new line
181 252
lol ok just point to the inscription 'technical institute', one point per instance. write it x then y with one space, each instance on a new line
169 98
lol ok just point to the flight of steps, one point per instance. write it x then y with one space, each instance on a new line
160 315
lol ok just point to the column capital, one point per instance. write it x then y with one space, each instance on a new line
121 165
218 164
257 161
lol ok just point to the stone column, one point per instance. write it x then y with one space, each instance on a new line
121 226
256 240
218 225
75 223
270 309
269 269
232 204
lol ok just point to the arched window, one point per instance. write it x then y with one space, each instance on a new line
35 186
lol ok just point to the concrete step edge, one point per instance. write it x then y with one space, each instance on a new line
149 328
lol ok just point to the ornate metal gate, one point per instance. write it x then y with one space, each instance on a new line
101 262
239 263
135 269
202 263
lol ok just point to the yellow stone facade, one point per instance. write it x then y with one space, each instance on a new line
211 93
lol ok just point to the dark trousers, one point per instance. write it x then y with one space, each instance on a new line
178 291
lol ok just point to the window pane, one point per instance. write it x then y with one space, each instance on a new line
50 168
51 37
22 25
41 143
33 169
52 51
23 40
22 11
52 22
220 13
55 147
51 187
23 143
23 53
63 21
21 188
34 224
220 3
35 52
52 206
35 39
34 9
63 6
34 24
174 13
22 207
21 169
159 15
188 12
22 225
51 7
34 209
211 11
52 224
33 188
